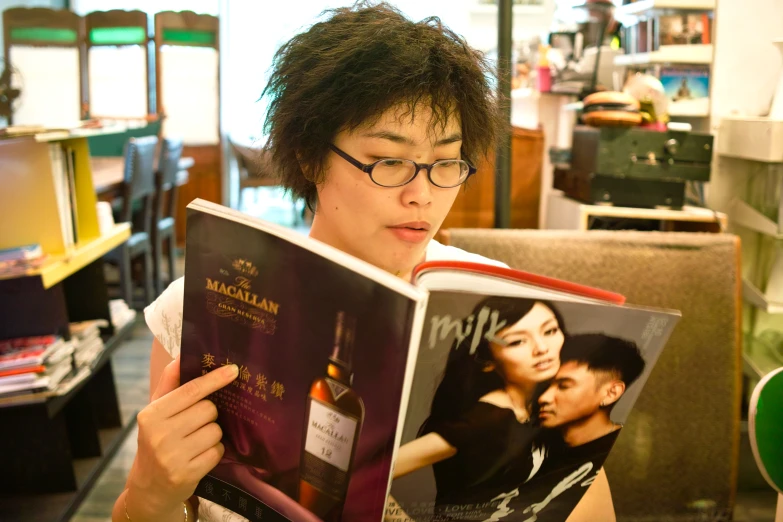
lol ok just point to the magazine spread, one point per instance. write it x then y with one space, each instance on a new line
477 393
516 403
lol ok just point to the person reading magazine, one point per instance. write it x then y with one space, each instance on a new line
377 122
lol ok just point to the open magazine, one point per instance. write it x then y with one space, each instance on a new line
476 393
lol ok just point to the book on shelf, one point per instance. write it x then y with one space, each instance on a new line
360 395
88 343
121 314
34 364
21 253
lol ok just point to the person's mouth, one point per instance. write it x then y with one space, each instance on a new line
411 232
543 365
543 414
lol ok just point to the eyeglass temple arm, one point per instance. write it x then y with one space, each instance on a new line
352 161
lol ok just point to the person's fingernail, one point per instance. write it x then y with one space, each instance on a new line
231 369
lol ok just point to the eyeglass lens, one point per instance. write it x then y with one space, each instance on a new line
393 172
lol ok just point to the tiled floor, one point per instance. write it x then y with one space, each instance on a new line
131 371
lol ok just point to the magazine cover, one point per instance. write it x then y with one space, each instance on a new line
516 404
309 425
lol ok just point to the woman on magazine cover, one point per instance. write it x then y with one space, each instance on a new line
480 435
363 86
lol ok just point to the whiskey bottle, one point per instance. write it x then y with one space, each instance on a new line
333 422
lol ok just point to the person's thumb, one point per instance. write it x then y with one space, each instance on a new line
169 379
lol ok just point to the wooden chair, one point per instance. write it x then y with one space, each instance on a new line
163 221
256 170
139 191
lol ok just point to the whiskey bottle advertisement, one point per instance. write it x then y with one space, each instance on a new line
310 423
333 421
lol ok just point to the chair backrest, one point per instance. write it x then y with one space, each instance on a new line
168 161
253 163
139 177
765 427
679 448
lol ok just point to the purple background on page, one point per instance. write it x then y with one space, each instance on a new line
309 290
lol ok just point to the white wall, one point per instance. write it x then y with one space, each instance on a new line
745 72
254 31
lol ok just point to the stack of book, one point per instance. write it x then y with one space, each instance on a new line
34 363
88 345
121 313
19 261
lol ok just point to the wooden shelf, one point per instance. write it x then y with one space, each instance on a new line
697 54
60 507
55 400
645 6
59 267
65 134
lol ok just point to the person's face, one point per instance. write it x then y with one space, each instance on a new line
573 395
529 351
388 227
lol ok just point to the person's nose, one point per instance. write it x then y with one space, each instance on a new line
546 397
539 346
418 193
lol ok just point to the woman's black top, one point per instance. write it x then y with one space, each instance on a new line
494 452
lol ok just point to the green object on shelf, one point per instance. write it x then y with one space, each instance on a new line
48 34
114 144
118 35
766 427
187 36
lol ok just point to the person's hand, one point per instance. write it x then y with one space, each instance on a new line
178 443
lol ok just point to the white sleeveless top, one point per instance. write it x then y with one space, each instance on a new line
164 318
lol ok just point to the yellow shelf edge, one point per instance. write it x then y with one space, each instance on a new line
62 266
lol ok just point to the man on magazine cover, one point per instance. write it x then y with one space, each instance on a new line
575 411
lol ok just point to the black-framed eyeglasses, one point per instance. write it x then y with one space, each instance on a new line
393 172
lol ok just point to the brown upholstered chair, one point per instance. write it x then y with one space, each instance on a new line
678 452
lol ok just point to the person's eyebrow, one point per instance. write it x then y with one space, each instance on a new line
404 140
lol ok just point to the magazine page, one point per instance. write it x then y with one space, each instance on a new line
516 403
311 423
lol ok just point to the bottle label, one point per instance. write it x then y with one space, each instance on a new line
337 388
330 435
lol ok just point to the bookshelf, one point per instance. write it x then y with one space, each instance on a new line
59 440
673 40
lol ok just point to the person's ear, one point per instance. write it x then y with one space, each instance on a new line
613 390
488 367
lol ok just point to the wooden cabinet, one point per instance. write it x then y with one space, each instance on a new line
475 204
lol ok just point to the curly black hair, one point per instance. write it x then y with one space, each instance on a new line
347 70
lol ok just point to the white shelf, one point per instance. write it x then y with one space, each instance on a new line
697 54
740 213
699 108
757 139
564 213
645 6
756 297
